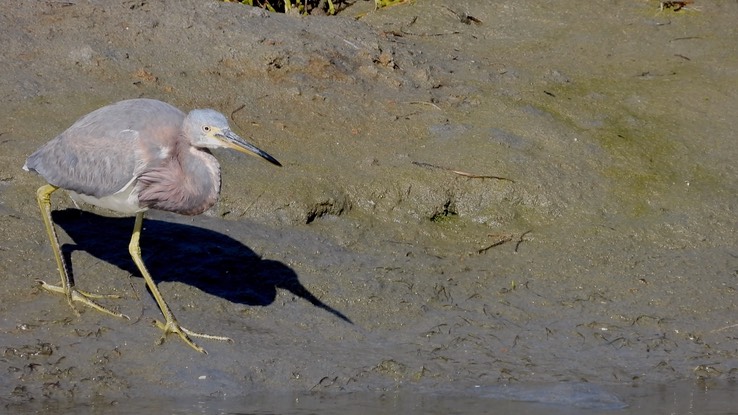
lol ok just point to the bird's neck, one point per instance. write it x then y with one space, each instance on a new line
201 173
188 182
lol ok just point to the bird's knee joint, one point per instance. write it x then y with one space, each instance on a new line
134 249
43 194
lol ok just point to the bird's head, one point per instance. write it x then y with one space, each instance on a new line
206 128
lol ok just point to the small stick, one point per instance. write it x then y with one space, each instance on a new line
506 238
426 103
236 110
724 328
520 240
461 173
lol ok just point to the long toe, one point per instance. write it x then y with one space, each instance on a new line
85 298
173 327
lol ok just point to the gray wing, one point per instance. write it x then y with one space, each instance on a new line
107 148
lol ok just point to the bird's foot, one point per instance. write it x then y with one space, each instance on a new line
75 295
171 326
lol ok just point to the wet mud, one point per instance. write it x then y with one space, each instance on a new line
473 196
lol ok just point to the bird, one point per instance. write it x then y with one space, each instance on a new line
129 157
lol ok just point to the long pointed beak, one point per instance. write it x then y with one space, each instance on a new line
234 141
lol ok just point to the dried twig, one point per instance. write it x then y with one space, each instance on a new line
732 326
520 240
464 17
504 239
461 173
236 110
426 103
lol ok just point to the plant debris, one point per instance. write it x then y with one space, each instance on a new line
461 173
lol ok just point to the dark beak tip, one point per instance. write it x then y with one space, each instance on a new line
273 161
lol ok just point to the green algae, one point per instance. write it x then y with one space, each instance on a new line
645 158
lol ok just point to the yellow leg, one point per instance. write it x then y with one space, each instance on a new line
43 196
171 325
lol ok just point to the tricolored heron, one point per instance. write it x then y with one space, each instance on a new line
129 157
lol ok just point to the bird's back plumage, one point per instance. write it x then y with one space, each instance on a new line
101 153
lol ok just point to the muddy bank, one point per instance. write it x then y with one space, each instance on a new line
548 195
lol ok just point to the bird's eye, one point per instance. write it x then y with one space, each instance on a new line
206 128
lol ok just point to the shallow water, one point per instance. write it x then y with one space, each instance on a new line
560 399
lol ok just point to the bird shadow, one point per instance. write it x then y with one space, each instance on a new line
203 258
